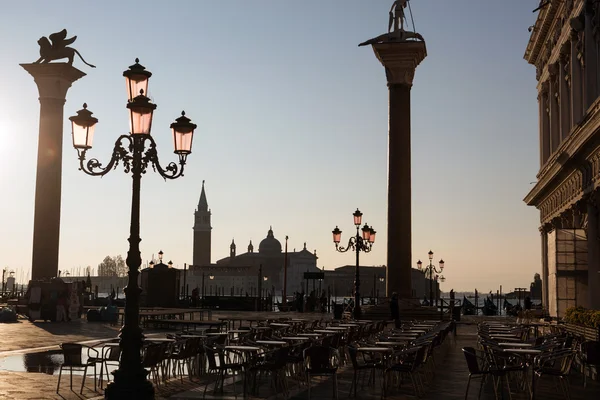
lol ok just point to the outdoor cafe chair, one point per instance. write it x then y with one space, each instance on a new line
478 368
274 364
220 369
370 365
152 360
413 358
557 365
321 361
590 356
108 354
72 353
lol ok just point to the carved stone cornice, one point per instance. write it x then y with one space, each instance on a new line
562 198
400 60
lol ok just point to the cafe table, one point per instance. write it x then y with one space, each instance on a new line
272 342
280 325
393 344
325 331
292 338
309 334
160 340
515 345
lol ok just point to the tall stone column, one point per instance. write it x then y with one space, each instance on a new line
545 128
576 79
53 80
591 54
565 96
593 245
544 237
400 60
554 111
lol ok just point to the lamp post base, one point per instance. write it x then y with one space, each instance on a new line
128 386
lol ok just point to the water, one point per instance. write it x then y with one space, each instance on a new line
47 362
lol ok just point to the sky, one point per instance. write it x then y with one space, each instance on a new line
292 130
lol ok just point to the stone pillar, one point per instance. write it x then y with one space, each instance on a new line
565 100
400 60
544 142
576 79
591 62
545 123
544 236
554 111
53 80
593 245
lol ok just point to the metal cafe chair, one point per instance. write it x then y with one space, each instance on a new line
109 354
73 360
321 361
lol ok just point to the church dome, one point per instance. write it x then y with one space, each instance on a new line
269 245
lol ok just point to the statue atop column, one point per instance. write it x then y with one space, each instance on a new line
397 15
396 21
58 49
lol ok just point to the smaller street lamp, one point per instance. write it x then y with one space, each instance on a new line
211 277
170 264
357 243
160 256
431 272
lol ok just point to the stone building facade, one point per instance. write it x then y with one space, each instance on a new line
564 48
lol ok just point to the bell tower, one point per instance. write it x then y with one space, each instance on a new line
232 249
202 231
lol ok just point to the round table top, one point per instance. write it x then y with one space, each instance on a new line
523 351
375 349
271 342
243 348
514 344
159 340
295 338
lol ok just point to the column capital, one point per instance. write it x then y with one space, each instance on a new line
53 79
545 228
400 60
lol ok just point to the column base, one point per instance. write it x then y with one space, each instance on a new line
128 386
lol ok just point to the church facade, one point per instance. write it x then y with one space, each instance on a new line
239 273
565 49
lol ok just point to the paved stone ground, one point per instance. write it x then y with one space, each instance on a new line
23 337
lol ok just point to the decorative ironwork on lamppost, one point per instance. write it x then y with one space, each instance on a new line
136 151
431 272
357 243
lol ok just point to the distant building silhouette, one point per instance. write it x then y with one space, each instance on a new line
202 231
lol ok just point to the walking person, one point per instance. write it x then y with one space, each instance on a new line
61 303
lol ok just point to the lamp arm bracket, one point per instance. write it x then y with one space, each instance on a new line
94 166
171 171
351 246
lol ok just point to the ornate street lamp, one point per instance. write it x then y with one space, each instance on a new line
357 243
136 151
429 272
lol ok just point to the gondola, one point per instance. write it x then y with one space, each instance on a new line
489 308
468 308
